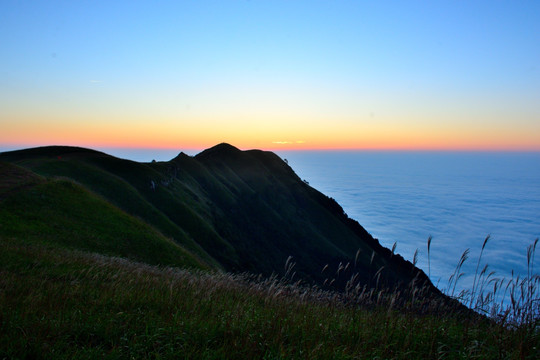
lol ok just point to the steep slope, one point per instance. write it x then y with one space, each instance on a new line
270 214
60 213
246 210
121 182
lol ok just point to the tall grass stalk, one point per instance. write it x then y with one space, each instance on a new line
473 291
428 255
454 278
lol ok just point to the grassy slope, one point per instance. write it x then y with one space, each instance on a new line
246 209
58 303
124 183
61 213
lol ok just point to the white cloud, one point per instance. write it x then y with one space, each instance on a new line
288 142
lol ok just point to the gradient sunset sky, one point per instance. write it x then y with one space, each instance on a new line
271 74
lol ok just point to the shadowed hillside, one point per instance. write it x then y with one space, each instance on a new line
62 214
239 210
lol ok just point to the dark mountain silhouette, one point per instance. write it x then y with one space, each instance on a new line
231 209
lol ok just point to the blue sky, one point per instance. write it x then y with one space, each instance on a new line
265 72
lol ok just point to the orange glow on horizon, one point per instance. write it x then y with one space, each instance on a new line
201 144
266 135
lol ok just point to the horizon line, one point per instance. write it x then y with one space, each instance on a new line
101 147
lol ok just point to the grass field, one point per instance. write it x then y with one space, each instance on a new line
60 303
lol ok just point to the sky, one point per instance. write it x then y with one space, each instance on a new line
400 75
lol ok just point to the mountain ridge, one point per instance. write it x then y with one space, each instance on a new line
236 210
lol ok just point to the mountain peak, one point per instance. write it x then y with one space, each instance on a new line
181 155
220 150
223 147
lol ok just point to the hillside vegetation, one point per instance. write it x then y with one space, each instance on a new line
67 304
107 258
61 214
236 210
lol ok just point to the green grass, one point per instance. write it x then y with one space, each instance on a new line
60 303
120 183
61 213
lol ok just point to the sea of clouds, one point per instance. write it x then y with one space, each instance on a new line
458 198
